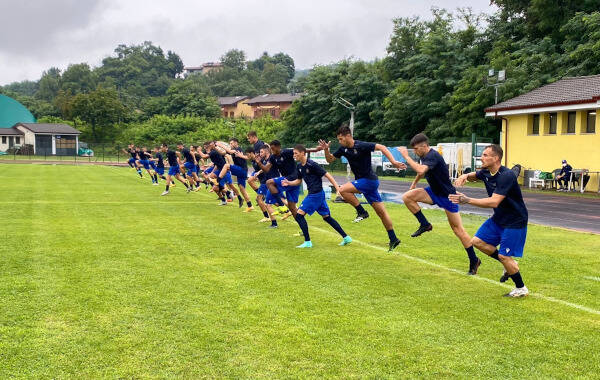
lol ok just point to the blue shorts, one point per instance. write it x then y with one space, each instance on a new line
368 188
226 180
145 163
292 193
191 168
174 170
160 170
443 202
263 190
208 170
131 160
315 202
511 240
240 174
152 164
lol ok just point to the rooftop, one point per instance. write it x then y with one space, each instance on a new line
50 128
231 100
274 98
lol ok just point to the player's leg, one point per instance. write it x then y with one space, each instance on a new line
301 220
168 185
379 208
263 207
411 199
323 210
455 222
348 191
275 190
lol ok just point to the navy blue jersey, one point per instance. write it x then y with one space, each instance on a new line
261 177
160 163
132 152
274 172
437 176
217 159
312 173
198 158
359 158
257 145
172 157
284 162
238 160
143 155
187 155
511 212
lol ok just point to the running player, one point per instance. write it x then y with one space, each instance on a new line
239 169
174 171
312 174
219 169
159 163
190 165
256 143
508 225
358 154
132 151
433 167
144 160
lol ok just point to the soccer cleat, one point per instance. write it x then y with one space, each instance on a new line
273 226
473 268
229 200
196 189
504 277
249 209
165 192
222 203
263 220
283 209
241 202
306 244
422 230
275 213
393 244
286 215
518 292
347 240
360 217
155 184
188 190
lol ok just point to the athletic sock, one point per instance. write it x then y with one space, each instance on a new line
222 199
266 214
239 198
471 254
303 226
517 280
392 235
167 187
336 226
360 209
273 222
495 255
421 218
249 204
156 178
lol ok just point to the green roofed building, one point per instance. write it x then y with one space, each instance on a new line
13 112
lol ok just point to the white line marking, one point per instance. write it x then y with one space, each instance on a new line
592 278
439 266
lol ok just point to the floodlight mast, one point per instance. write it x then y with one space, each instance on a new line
349 106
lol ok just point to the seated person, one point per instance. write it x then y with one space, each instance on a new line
563 177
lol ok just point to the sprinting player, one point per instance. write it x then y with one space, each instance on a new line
312 174
263 190
219 169
173 160
508 225
434 169
189 162
133 151
239 169
256 143
283 161
358 154
144 160
159 164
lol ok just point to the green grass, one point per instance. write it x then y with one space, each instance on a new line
103 278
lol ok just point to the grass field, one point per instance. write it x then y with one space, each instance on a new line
103 278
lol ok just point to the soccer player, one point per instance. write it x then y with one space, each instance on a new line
222 172
264 195
256 143
144 160
159 166
358 154
239 169
312 174
190 164
433 167
133 151
173 160
508 225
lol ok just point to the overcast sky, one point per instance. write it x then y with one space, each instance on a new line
38 34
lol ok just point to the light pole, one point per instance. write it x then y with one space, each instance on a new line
499 81
349 106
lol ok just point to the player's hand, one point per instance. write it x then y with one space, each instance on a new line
459 198
324 145
403 151
460 181
399 165
412 186
285 182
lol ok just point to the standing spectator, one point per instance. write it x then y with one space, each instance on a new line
564 176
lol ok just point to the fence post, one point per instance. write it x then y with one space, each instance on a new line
102 152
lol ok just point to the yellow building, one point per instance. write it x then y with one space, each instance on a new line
235 106
551 123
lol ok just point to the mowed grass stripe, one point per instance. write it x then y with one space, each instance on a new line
168 289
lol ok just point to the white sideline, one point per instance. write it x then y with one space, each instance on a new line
592 278
430 263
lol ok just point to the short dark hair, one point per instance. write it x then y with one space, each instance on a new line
419 138
249 150
180 143
275 143
344 130
252 133
497 149
234 139
300 148
165 145
265 147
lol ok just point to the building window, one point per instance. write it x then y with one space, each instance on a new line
571 117
224 113
552 126
231 114
18 140
590 126
3 139
535 128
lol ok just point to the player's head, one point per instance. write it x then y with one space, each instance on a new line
265 151
420 143
252 137
209 145
344 136
180 145
164 147
250 153
234 143
299 152
275 147
564 163
491 157
143 149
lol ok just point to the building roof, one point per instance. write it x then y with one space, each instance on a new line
56 129
12 112
12 131
231 100
567 91
274 98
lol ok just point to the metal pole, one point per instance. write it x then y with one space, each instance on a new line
473 150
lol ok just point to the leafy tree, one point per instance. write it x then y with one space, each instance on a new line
191 96
78 78
49 85
234 59
101 109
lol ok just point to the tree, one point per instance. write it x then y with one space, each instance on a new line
191 96
49 85
235 59
78 78
101 109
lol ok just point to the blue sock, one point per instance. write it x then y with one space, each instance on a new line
392 235
273 222
303 226
421 218
336 226
472 255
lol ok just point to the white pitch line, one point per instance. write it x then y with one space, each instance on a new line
439 266
592 278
